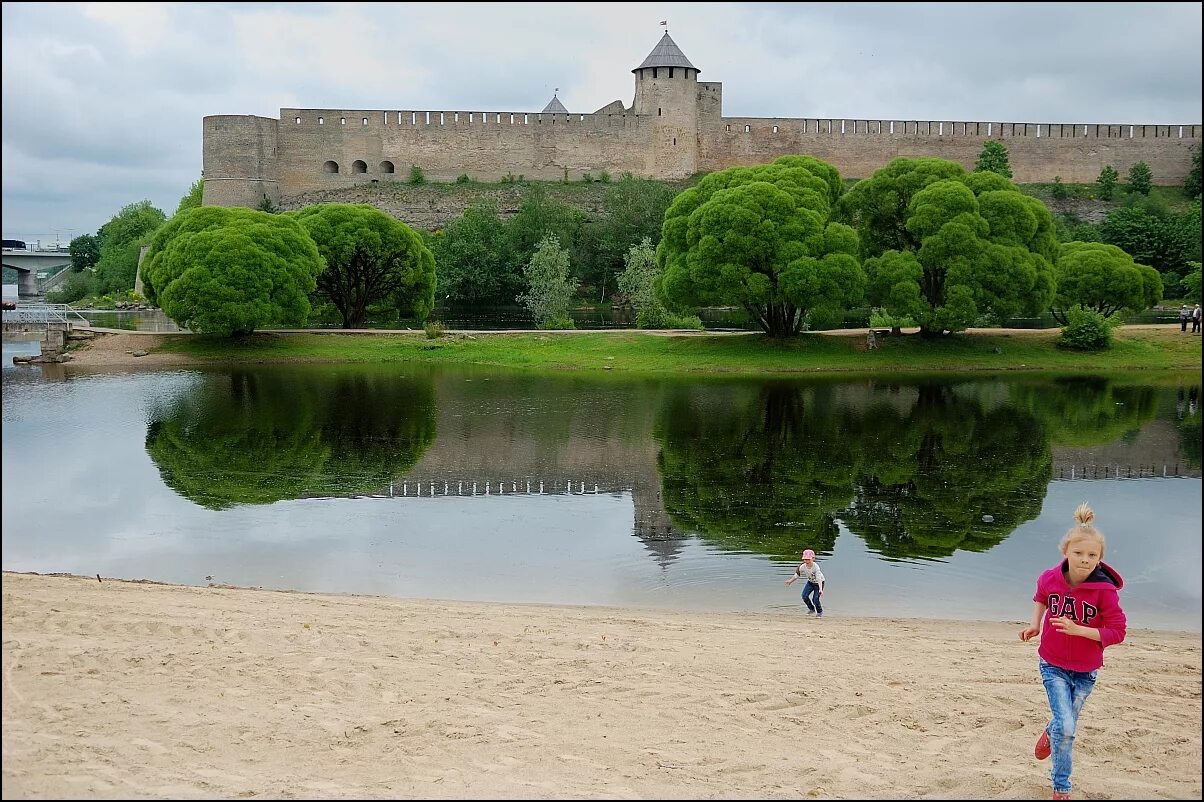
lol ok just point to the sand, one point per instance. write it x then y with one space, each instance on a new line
122 689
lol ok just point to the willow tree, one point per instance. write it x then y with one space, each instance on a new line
370 259
762 238
1102 277
945 247
231 271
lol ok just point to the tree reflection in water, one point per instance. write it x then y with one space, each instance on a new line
917 471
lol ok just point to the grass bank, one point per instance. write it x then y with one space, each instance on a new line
1135 349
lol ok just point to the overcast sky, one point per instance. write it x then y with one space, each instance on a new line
103 102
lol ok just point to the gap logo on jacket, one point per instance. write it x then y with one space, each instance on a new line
1094 603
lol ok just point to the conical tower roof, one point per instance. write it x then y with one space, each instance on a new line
666 54
555 106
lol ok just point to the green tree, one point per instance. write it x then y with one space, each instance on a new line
1140 178
475 259
1191 283
638 283
944 246
538 216
371 259
230 271
549 288
1192 185
1059 190
85 252
993 158
193 199
121 240
633 210
1104 278
1107 180
1164 240
762 238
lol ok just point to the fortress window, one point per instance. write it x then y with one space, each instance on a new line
365 121
658 112
386 167
654 72
358 166
670 72
775 129
342 121
747 128
321 121
729 129
332 166
298 121
675 141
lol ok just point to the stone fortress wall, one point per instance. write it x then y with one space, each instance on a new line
674 129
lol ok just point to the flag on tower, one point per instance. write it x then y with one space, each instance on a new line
664 22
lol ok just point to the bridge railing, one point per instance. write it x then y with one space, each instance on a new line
44 314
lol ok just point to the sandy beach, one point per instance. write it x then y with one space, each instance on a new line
121 689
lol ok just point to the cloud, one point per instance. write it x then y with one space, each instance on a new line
106 99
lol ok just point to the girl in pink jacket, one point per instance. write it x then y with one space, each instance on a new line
1077 614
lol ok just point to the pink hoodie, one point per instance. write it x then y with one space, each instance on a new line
1094 603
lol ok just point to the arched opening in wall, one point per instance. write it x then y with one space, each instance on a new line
775 129
298 121
358 166
387 167
321 121
747 128
365 122
342 121
331 166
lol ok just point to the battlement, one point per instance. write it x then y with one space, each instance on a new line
679 131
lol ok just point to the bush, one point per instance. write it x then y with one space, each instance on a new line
1085 330
1059 190
1108 177
463 178
434 330
1140 178
558 322
416 175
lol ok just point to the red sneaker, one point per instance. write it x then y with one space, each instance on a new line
1060 795
1042 750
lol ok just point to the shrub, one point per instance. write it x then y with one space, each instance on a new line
1140 178
416 175
463 179
1085 330
434 330
559 322
587 177
1059 190
604 177
1107 182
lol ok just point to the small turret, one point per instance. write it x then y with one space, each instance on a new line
555 106
665 78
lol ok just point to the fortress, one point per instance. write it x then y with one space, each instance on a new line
674 128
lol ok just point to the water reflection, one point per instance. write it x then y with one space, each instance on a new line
917 471
265 435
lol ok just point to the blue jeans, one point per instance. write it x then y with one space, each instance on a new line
1067 691
811 589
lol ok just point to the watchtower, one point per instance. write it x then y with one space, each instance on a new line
666 99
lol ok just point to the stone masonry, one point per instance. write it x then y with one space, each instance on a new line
674 128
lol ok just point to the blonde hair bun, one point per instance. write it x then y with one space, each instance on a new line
1083 515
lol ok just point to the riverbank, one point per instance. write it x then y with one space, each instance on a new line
138 690
1137 348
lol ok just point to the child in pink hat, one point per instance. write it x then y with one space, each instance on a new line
813 589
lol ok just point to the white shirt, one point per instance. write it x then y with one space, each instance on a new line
812 574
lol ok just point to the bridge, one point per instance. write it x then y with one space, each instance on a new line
49 323
28 262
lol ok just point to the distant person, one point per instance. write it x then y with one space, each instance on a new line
1195 320
1077 614
1184 314
813 589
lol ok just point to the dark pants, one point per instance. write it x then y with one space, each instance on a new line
1183 324
1195 325
811 597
